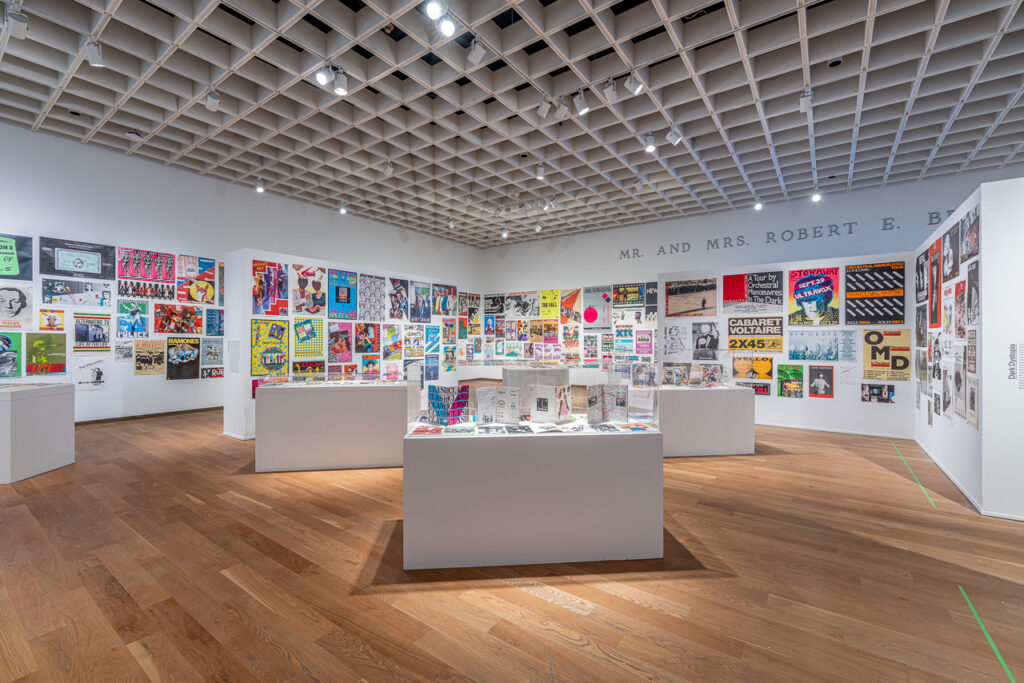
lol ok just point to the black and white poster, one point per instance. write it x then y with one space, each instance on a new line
921 278
76 259
973 295
494 304
15 257
705 341
874 294
951 254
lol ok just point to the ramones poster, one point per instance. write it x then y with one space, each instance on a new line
183 358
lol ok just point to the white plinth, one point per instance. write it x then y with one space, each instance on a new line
319 426
473 501
707 421
37 429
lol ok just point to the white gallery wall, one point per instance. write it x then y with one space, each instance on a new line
56 188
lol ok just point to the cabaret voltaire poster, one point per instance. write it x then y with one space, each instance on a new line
269 288
814 296
875 294
752 293
756 333
691 297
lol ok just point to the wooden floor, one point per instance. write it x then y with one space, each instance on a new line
161 554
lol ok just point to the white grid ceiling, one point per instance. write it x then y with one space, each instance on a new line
923 88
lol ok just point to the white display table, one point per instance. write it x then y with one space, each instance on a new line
37 429
473 501
323 426
707 420
577 376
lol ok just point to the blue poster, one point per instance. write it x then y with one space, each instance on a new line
433 343
342 299
214 322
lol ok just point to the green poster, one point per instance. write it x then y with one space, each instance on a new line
10 354
791 380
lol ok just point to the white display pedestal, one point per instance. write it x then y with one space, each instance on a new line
707 420
318 426
473 501
37 429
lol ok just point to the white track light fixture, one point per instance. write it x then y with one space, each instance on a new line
610 92
544 108
580 102
94 54
477 52
340 83
342 209
451 223
816 197
213 100
389 169
806 101
259 186
434 10
649 145
447 26
758 205
673 136
540 171
538 228
504 234
561 111
16 23
324 75
633 83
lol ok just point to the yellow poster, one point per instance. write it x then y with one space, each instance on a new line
549 303
887 355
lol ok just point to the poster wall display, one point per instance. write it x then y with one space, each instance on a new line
211 372
183 358
413 342
91 373
145 265
756 333
269 348
875 294
921 326
269 288
752 293
522 305
145 290
15 257
935 284
45 353
398 299
629 295
887 355
391 348
69 258
820 381
150 356
828 345
421 306
372 298
549 303
791 381
571 306
973 294
339 342
444 298
951 254
15 307
171 319
10 354
76 293
921 279
877 393
691 297
309 337
433 338
197 280
51 320
92 332
220 283
677 340
970 234
132 319
597 306
705 340
342 302
309 290
215 322
813 296
753 367
367 337
308 370
494 304
124 352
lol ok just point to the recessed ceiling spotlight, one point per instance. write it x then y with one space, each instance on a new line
540 171
447 26
538 228
543 108
133 135
633 83
610 92
434 10
816 197
833 63
94 54
342 209
562 110
580 102
388 168
649 144
758 206
324 75
213 100
340 83
16 23
477 52
74 112
259 185
673 136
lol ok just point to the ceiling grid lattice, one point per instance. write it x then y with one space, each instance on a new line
902 90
